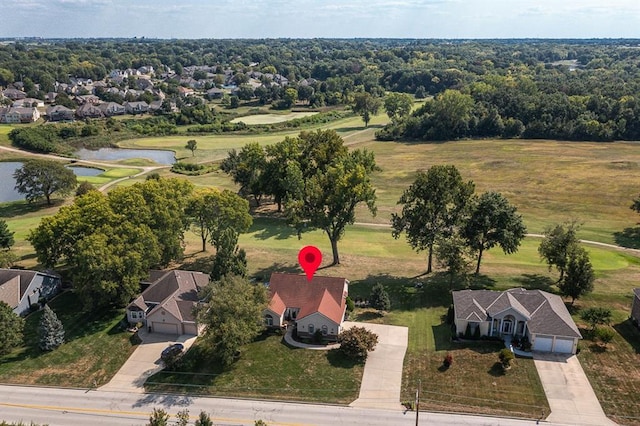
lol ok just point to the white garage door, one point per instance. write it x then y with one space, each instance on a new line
190 329
543 343
564 346
164 328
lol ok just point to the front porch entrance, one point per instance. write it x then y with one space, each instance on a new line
507 326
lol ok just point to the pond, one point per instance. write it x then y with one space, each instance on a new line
85 171
7 169
7 191
158 155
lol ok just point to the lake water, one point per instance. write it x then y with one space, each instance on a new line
7 193
159 156
85 171
7 169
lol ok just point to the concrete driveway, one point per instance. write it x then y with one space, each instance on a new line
570 395
382 378
144 361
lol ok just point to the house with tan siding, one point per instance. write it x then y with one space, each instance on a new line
312 306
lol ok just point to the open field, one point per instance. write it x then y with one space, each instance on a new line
94 350
271 118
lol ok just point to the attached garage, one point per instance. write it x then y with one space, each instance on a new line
543 343
190 328
164 328
564 346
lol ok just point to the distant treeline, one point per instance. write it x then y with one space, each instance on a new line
565 89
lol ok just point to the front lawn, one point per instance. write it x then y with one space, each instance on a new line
94 351
267 368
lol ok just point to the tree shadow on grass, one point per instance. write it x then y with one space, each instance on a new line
442 337
201 263
339 360
629 238
481 282
406 293
263 275
367 316
630 333
20 208
535 282
497 370
265 228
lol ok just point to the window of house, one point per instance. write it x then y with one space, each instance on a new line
311 328
324 330
268 320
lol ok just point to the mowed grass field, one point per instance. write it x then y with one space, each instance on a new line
549 182
271 118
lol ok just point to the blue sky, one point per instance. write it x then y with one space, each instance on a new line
321 18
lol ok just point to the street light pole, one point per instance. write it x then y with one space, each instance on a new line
418 401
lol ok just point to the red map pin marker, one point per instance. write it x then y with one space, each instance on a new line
310 258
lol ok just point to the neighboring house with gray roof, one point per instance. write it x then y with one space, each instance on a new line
22 288
167 304
540 316
635 306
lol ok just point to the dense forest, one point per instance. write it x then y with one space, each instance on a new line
560 89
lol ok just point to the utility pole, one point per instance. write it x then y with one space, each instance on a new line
418 400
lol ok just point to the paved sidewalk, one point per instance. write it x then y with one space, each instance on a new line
144 361
570 395
382 378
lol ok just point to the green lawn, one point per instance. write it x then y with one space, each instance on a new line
94 351
267 368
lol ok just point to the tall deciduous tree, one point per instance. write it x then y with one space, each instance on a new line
229 258
6 236
233 316
192 145
246 167
11 329
452 253
329 198
366 105
50 330
212 211
432 207
38 179
397 105
493 221
558 242
279 157
579 277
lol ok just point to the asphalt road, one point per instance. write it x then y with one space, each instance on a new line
71 407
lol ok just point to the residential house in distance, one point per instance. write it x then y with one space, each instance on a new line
539 316
28 103
60 113
136 107
22 288
14 115
635 307
89 110
14 94
50 97
316 305
167 304
215 93
87 99
112 108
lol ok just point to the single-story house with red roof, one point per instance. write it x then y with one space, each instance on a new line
167 305
316 305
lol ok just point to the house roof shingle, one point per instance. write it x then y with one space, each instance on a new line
546 312
175 291
325 295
